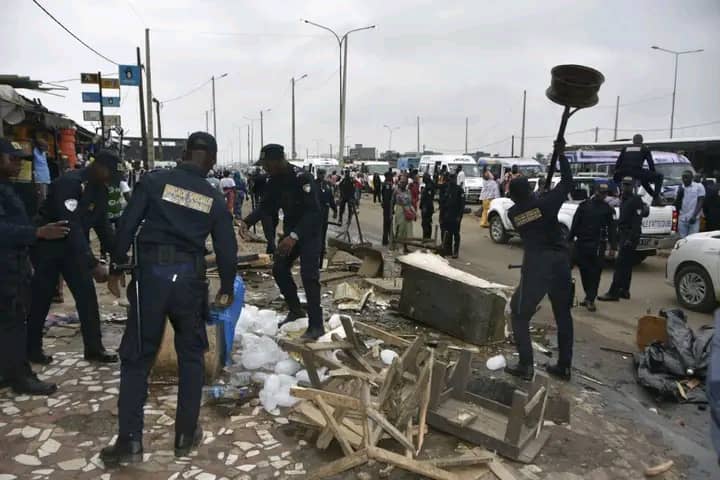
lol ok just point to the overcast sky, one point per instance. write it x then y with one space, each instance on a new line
441 60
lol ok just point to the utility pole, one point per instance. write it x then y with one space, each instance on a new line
596 134
344 104
160 151
248 147
207 121
331 151
150 135
418 135
239 144
213 109
466 135
294 153
512 145
522 133
617 112
102 111
143 132
262 141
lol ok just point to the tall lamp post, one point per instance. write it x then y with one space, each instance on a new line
213 106
390 130
342 41
251 135
677 56
294 81
157 106
262 141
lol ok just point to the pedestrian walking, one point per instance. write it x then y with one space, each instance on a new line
227 186
545 269
79 197
240 193
629 225
327 203
689 203
377 186
295 192
18 235
452 210
509 177
404 213
593 228
631 162
386 190
178 210
427 205
490 191
41 169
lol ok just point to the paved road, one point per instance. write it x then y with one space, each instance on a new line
683 428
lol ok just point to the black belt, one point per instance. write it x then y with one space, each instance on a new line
169 255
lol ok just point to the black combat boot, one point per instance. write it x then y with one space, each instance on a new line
526 372
29 384
293 314
559 371
101 356
39 357
184 443
125 450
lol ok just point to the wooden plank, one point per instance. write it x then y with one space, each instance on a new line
516 418
409 453
425 403
461 373
349 372
408 358
361 361
326 436
501 471
313 415
408 405
392 376
462 460
365 401
309 362
437 383
411 465
380 334
380 419
332 424
320 346
334 399
535 401
486 403
338 466
350 334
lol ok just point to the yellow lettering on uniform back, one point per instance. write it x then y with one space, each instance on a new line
527 217
187 198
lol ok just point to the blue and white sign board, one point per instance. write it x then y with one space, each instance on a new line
91 97
111 101
129 75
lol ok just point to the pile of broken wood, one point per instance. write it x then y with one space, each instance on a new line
363 401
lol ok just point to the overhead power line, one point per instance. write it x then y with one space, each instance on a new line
72 34
188 93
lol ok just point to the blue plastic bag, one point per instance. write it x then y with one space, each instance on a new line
226 319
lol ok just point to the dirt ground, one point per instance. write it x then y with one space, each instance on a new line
612 433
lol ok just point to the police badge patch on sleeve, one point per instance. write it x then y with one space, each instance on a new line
307 188
71 204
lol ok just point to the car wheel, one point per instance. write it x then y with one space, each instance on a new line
498 234
694 289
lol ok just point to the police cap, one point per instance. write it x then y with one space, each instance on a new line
201 141
13 149
271 152
108 158
628 181
602 187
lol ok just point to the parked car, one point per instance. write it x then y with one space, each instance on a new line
693 269
659 229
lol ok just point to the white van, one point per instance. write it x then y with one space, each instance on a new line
473 175
314 164
500 166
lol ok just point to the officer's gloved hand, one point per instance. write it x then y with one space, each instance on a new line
223 300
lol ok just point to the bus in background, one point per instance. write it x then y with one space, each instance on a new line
408 163
670 164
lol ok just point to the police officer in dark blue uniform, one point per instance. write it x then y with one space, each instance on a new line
386 197
327 203
452 208
632 211
630 163
172 212
79 197
17 234
296 193
545 270
592 229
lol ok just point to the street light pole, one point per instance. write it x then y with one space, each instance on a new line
157 106
213 106
294 153
262 141
343 79
390 131
677 56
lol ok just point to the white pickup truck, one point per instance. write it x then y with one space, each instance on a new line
659 229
